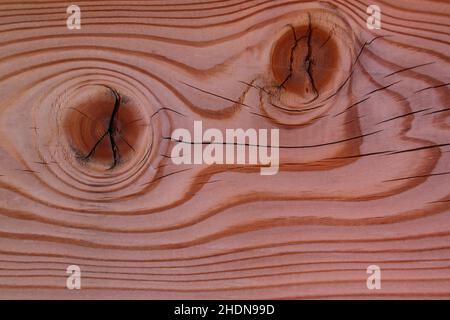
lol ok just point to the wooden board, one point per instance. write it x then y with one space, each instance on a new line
363 117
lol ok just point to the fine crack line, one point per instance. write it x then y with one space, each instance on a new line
112 128
110 131
291 58
308 60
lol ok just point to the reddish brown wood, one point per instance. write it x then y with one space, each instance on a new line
364 164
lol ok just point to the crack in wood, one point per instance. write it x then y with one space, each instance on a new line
111 132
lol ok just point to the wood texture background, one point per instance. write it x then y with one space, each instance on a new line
364 175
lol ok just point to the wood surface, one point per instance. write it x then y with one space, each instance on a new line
364 126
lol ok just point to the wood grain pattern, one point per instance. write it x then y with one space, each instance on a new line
364 126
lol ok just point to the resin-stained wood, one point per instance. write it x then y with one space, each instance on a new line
86 176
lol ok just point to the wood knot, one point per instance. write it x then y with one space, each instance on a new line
310 60
304 60
102 126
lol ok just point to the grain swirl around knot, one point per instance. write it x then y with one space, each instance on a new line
86 169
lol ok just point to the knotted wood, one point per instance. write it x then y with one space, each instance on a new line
86 176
